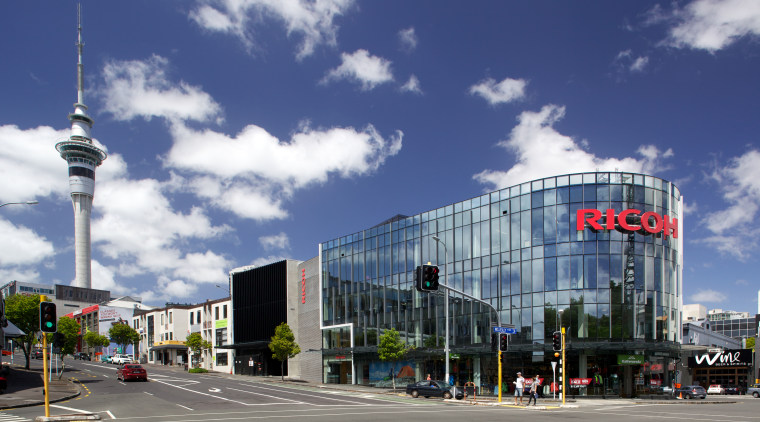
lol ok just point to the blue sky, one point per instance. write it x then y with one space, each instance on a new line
245 131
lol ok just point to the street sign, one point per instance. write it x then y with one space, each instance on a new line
504 330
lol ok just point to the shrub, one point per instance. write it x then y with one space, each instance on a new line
197 371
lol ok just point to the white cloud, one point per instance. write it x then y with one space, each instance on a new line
540 151
260 171
408 39
733 230
359 66
20 246
639 64
141 88
412 85
311 20
714 24
33 164
505 91
707 296
625 62
276 241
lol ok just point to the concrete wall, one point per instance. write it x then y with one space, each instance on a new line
308 334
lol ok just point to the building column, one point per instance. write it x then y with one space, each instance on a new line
582 371
476 371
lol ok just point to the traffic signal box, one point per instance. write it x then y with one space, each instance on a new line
426 278
557 341
494 342
48 317
503 342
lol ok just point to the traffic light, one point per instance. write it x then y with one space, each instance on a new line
557 341
494 342
426 278
503 342
48 318
58 340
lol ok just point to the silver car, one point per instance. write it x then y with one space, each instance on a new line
754 389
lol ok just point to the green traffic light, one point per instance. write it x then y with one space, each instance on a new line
48 324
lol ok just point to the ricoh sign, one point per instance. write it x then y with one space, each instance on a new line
627 221
724 358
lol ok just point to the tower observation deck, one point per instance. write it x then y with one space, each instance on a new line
82 157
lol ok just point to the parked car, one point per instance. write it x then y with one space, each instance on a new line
691 392
716 389
732 389
131 371
105 358
754 390
37 354
434 389
81 356
121 359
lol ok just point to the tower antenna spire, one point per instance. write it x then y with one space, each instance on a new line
80 64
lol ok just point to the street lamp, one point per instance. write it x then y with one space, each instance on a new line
20 203
446 306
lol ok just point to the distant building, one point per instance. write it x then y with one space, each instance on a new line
694 312
721 315
211 320
163 333
67 298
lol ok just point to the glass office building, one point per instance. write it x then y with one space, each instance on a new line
521 254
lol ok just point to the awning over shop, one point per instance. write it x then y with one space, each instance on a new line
12 331
168 346
250 344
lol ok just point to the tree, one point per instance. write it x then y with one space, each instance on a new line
70 330
750 343
392 349
283 346
122 335
24 312
93 339
197 344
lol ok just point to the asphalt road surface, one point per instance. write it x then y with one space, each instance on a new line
178 396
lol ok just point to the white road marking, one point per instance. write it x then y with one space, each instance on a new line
316 395
214 390
267 395
70 409
198 392
150 394
185 407
110 414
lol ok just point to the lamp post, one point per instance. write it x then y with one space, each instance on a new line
20 203
445 306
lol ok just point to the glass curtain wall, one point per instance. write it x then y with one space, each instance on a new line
518 249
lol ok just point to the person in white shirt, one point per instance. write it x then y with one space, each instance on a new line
519 387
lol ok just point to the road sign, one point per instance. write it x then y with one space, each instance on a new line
504 330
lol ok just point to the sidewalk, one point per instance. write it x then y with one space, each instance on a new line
25 388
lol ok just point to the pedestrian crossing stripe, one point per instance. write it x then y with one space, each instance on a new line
11 418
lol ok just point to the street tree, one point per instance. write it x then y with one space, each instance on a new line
283 346
750 343
197 345
24 312
123 335
392 349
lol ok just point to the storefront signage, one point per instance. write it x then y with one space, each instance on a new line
580 382
724 358
630 359
303 285
222 323
626 221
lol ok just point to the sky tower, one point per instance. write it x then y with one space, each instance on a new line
83 156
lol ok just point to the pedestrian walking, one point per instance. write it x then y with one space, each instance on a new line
534 386
519 387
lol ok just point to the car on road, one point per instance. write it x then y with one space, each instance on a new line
434 389
691 392
121 359
131 371
716 389
81 356
105 358
754 390
732 389
37 354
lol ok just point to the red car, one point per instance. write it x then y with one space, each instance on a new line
131 371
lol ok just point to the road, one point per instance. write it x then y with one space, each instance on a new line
178 396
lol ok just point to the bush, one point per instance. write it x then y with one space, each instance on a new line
197 371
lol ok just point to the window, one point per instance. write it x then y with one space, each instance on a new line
225 312
170 317
198 316
221 337
216 313
191 318
221 359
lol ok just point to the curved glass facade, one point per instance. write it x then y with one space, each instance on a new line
519 250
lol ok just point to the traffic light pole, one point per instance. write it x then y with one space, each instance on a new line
562 368
45 375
